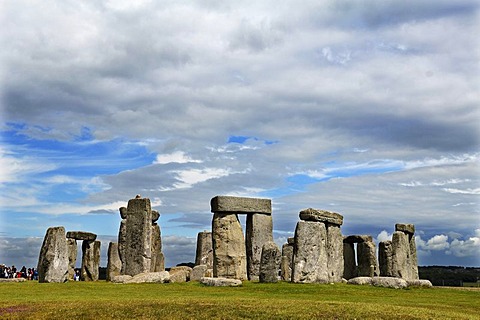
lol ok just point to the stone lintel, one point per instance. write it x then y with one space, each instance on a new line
405 228
357 238
226 204
81 235
321 216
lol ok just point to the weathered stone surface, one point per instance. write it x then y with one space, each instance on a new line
122 243
53 260
220 282
138 254
114 264
286 262
204 253
157 263
321 216
291 240
81 235
389 282
310 256
357 239
401 255
72 257
405 228
334 248
198 272
229 254
413 262
155 216
385 258
419 283
269 263
123 212
241 205
360 281
90 260
180 274
367 259
259 230
148 277
349 264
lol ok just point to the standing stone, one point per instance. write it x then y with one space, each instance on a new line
401 255
385 258
310 256
413 259
259 231
72 257
114 264
286 262
204 253
229 254
367 259
53 260
334 247
122 242
138 253
158 263
269 263
90 260
349 264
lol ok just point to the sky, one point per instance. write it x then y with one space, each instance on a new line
365 108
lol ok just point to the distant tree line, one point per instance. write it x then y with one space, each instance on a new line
449 275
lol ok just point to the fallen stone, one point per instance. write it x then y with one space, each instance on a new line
360 281
405 228
81 235
220 282
53 259
180 274
389 282
419 283
269 263
148 277
357 239
241 205
13 280
198 272
321 216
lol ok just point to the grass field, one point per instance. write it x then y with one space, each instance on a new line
102 300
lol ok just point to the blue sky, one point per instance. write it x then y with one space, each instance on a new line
368 109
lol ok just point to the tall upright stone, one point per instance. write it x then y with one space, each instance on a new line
259 228
204 252
229 254
72 256
122 241
349 262
310 254
114 264
385 258
318 250
53 259
269 263
367 259
158 261
138 254
259 231
287 260
90 260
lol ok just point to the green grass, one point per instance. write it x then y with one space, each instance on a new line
101 300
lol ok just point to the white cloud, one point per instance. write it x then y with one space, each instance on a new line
467 191
176 157
384 236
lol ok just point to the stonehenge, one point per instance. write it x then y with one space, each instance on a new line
228 255
398 257
58 255
234 256
318 248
